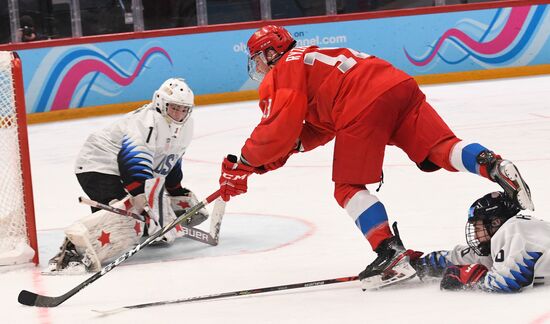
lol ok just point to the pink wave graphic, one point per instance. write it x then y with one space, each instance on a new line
511 30
68 86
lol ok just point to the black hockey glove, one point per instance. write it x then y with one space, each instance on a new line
463 277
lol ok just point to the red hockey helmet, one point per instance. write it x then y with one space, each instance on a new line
265 47
270 36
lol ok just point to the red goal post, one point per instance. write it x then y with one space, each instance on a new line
18 243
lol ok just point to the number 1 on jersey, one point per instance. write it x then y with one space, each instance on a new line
346 63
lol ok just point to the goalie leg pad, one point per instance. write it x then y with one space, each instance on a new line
104 235
180 204
166 215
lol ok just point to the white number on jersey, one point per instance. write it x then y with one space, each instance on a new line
346 63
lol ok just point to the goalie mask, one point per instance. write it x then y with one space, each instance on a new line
485 217
174 100
265 47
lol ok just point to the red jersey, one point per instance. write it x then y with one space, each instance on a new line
310 94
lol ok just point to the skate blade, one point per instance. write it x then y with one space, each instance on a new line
403 271
523 196
377 282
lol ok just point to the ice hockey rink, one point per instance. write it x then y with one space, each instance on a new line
289 229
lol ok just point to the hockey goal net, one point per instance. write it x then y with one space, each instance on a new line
17 226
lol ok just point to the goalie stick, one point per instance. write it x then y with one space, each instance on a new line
189 232
231 294
120 211
32 299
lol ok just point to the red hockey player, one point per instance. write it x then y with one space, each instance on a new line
311 95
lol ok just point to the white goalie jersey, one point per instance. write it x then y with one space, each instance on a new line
143 145
520 255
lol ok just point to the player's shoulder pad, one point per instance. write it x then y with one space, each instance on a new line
142 120
149 116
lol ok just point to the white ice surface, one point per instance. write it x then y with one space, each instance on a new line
288 228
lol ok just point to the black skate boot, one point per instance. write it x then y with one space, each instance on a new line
68 260
507 176
391 266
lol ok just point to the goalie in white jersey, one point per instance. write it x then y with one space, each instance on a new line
506 252
134 164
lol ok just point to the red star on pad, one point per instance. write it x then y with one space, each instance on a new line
183 204
178 228
104 238
137 228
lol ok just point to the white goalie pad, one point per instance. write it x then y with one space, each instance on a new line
180 204
160 210
104 235
177 231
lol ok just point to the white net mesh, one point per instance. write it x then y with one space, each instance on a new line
13 233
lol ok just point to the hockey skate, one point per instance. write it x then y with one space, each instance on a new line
68 261
508 177
390 267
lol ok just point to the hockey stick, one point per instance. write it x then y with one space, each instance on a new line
120 211
31 299
231 294
189 232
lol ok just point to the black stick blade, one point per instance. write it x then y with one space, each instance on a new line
27 298
31 299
